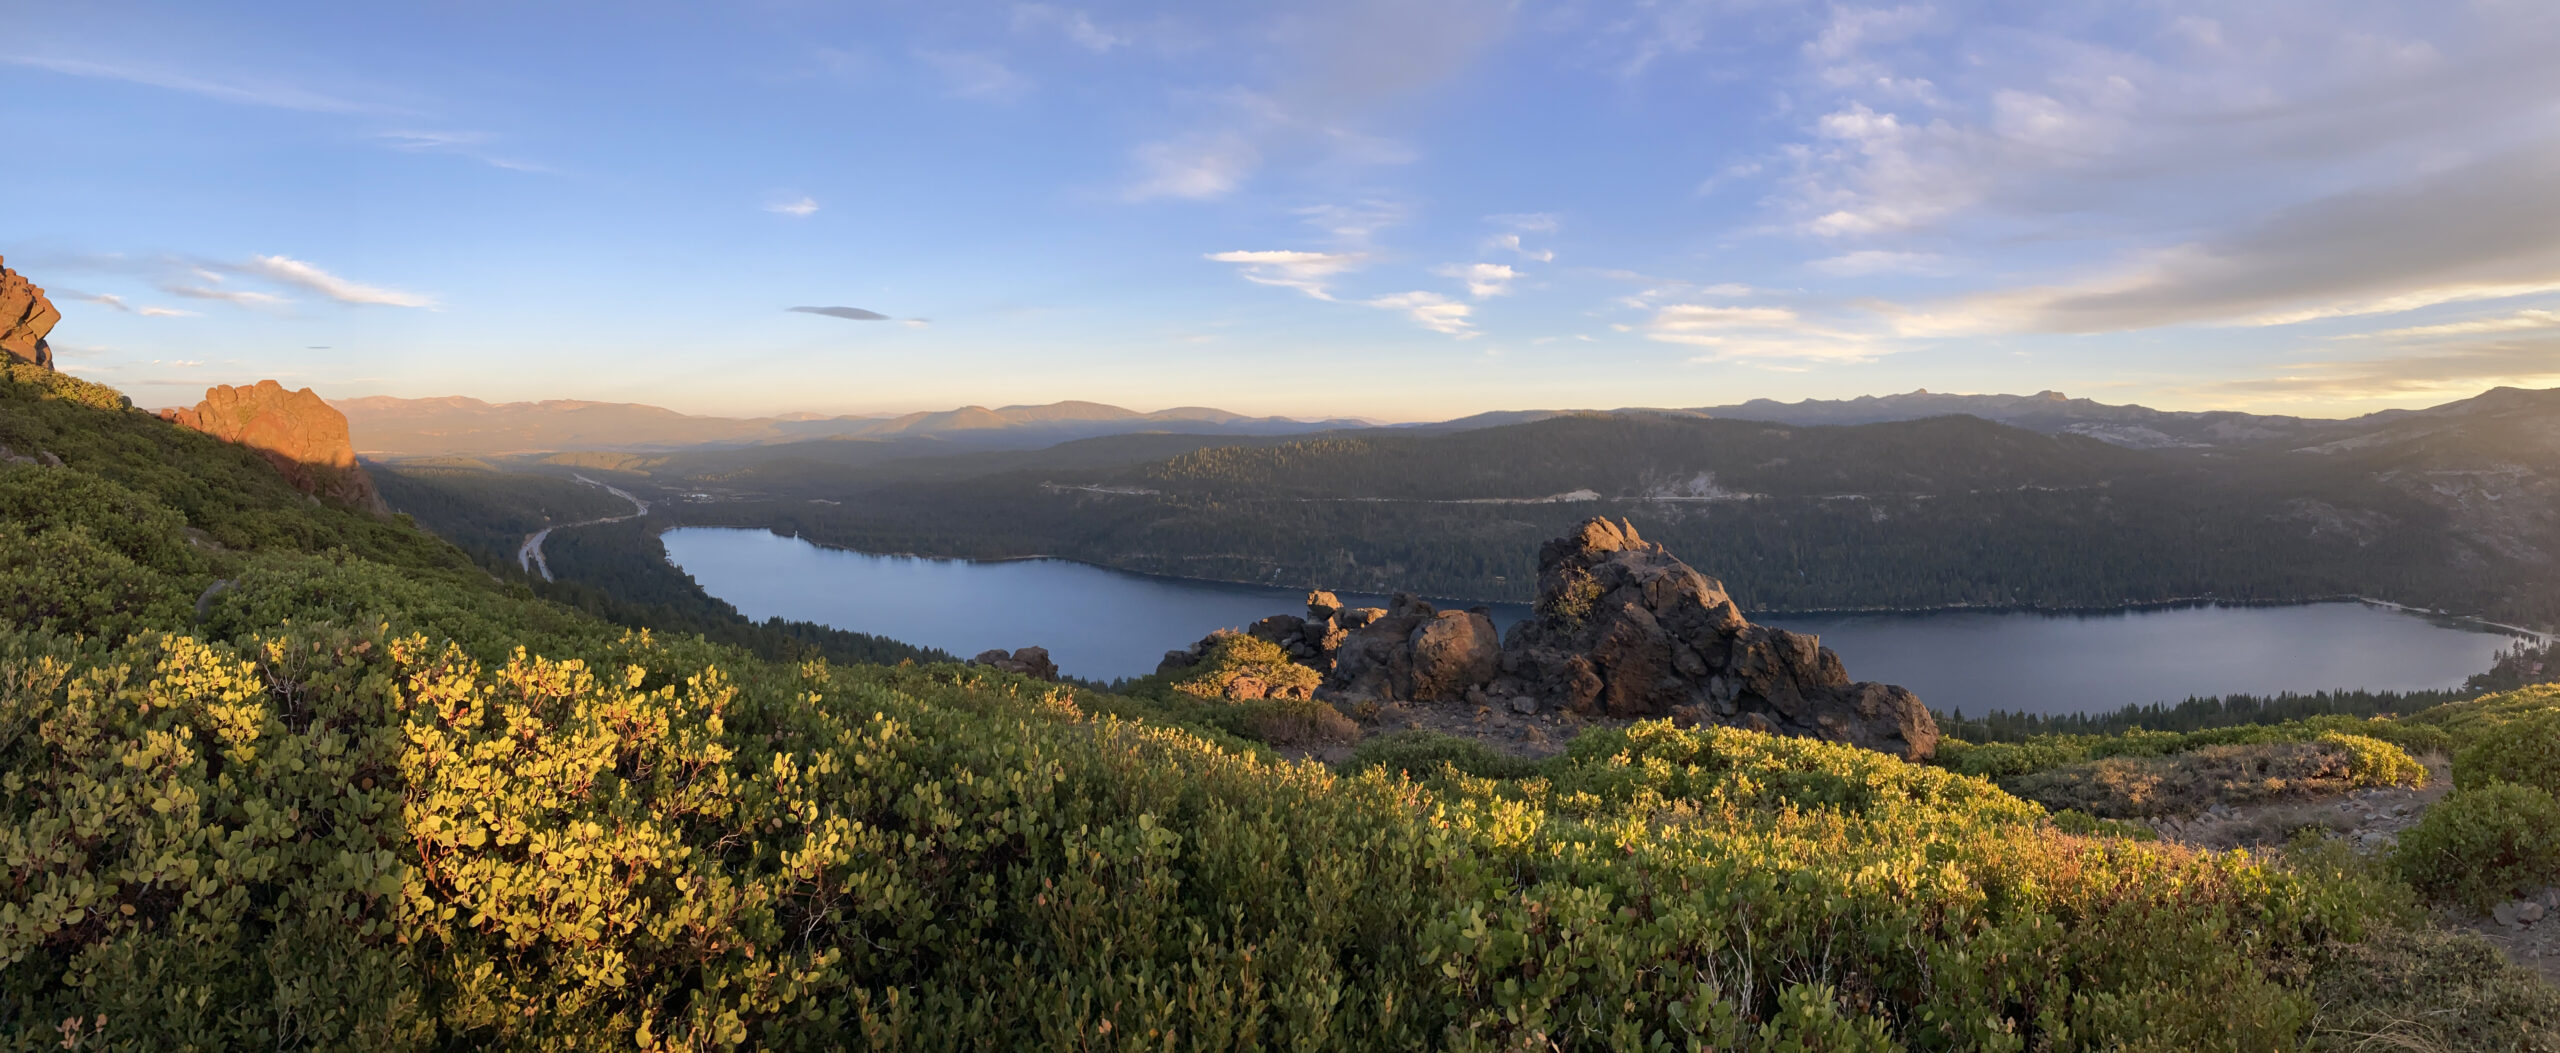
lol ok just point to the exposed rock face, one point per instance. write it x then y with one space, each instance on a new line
1413 651
1626 630
302 436
25 317
1029 661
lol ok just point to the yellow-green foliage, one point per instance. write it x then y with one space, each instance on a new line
1238 666
2127 779
1422 754
2483 844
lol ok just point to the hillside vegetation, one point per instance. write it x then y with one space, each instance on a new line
370 797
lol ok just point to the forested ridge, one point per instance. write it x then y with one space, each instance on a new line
1923 514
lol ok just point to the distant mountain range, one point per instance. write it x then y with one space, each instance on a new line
456 426
396 427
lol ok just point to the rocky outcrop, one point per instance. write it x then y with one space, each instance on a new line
1623 629
1029 661
1411 651
304 437
25 317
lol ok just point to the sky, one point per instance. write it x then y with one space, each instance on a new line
1394 209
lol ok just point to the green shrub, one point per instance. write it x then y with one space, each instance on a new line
2481 844
2184 783
1422 754
2525 751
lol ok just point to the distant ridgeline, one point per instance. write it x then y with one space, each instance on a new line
2455 508
283 772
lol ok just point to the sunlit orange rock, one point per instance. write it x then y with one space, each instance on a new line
25 317
303 436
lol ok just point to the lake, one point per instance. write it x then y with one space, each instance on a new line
1102 624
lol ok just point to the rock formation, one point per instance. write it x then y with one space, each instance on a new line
1626 630
1415 652
1622 630
25 317
304 437
1029 661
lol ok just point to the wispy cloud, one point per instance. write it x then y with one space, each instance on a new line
244 92
289 271
1198 167
2481 231
1076 26
241 297
1431 311
2442 372
2521 320
1307 272
117 303
1771 337
457 143
850 314
1328 69
976 75
1864 262
801 207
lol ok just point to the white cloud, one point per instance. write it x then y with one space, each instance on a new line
1431 311
1511 242
1076 26
163 312
1306 272
289 271
1483 279
801 207
976 75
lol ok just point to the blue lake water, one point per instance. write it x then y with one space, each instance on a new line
1102 624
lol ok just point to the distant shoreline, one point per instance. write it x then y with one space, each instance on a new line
2176 603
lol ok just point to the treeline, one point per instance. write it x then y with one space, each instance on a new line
2196 714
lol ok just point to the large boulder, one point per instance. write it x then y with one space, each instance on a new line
1623 629
1412 651
304 437
1029 661
25 317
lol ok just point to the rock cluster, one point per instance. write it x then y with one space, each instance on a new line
1029 661
25 317
1622 630
304 437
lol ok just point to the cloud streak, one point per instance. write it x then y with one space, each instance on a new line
246 93
286 270
1307 272
850 314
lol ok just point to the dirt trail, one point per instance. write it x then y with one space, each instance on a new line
529 556
2372 821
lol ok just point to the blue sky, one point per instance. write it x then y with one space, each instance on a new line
1399 209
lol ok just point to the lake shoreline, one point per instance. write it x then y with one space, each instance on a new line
1462 602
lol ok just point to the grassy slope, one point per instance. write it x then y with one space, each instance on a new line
378 800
